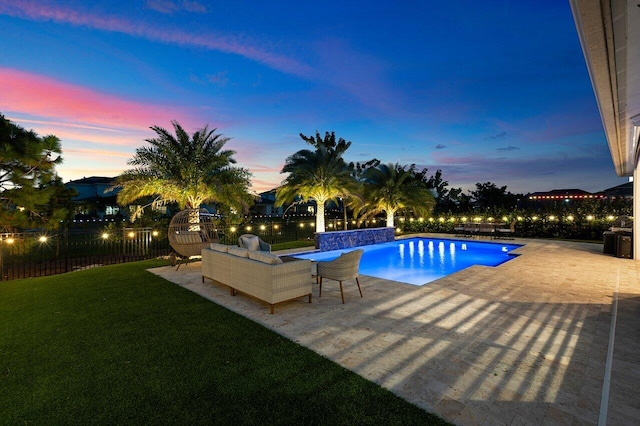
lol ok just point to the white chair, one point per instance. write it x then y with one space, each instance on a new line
343 268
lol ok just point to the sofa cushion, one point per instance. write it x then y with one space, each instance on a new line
223 248
250 242
264 257
238 251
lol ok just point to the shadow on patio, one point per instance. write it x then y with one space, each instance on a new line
525 342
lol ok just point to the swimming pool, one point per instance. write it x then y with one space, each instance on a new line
419 261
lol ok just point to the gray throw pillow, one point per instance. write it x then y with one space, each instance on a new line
251 243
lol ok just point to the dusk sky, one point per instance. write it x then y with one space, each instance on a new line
491 91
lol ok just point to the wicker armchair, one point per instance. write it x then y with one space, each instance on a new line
253 242
343 268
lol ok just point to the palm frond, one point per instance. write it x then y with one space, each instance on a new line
189 170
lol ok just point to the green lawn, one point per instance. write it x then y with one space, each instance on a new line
292 245
119 345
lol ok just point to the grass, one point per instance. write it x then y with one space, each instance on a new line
119 345
292 245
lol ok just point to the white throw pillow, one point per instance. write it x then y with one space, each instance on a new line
264 257
223 248
251 243
239 251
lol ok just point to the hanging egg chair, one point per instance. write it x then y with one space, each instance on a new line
190 231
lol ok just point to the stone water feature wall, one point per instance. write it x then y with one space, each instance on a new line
358 237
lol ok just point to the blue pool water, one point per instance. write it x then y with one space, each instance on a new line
419 261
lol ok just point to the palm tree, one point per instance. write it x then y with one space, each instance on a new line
321 175
187 170
391 187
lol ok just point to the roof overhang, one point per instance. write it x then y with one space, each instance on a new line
609 31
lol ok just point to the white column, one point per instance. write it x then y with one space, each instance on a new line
636 213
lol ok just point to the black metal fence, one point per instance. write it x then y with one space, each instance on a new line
40 253
80 245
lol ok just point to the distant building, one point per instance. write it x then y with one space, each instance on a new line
93 201
557 197
265 205
566 194
624 191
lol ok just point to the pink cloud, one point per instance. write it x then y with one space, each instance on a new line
262 185
72 105
26 9
97 153
169 7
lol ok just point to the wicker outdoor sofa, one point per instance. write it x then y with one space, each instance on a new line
256 273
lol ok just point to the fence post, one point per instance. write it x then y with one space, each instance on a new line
66 247
1 260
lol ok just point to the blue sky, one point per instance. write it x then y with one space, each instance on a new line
493 91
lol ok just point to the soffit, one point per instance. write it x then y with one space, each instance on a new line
609 31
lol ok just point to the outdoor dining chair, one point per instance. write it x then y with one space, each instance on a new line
343 268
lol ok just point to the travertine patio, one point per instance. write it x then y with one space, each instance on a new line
524 343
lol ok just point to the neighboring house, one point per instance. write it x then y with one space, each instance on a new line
624 191
265 206
556 197
93 201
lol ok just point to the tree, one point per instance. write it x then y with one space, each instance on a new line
28 180
390 187
489 196
321 175
187 170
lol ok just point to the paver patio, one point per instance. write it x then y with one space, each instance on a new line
522 343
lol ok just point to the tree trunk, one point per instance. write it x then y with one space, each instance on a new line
194 219
344 210
390 219
319 216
